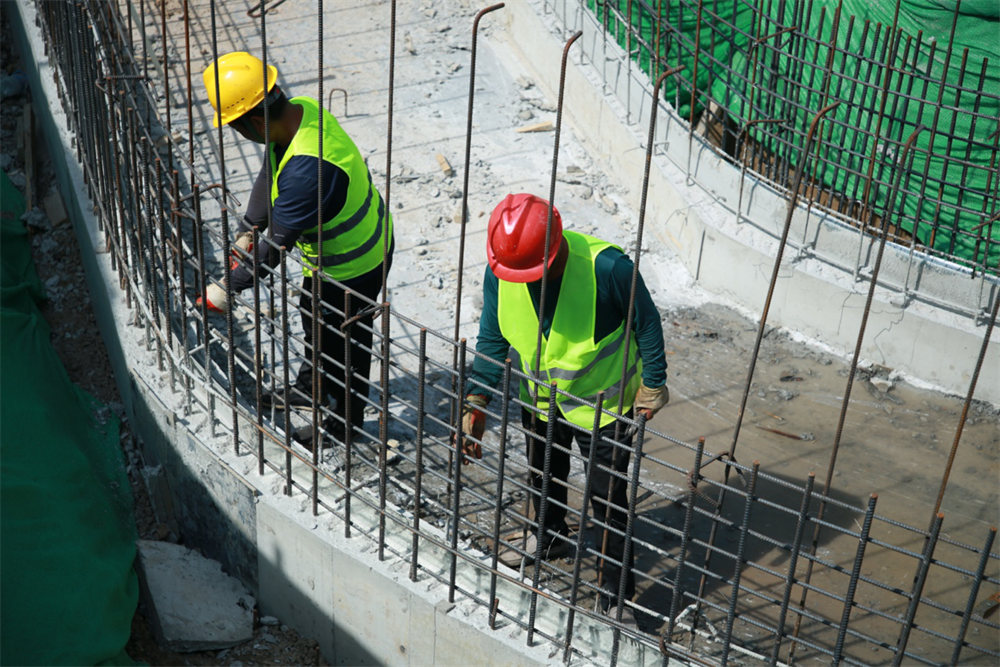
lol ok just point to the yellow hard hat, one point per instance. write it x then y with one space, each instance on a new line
240 85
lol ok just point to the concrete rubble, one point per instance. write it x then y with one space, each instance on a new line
193 604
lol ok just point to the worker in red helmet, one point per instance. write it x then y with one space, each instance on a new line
586 304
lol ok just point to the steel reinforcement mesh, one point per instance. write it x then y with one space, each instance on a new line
745 572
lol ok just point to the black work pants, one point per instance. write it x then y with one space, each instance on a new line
555 513
332 376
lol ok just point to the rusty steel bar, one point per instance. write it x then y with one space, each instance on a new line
348 416
283 259
388 154
318 278
419 455
793 201
501 468
595 438
984 558
852 586
741 548
258 360
545 279
965 406
550 427
800 526
920 579
850 380
383 428
457 399
456 482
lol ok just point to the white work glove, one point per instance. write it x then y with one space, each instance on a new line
651 400
215 299
242 247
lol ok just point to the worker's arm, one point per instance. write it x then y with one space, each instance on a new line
490 342
614 276
295 210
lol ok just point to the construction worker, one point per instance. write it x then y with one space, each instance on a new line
586 303
353 232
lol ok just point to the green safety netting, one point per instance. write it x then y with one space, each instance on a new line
948 196
67 588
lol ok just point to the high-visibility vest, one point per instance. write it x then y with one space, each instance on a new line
570 356
353 239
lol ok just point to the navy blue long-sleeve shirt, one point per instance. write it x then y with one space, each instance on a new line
613 270
295 210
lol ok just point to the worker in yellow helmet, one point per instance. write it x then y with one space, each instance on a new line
355 223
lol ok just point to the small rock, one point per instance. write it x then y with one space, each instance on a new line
269 638
268 620
525 114
525 82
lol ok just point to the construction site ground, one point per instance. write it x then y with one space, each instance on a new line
896 437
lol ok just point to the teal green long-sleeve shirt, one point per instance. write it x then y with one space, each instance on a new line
613 270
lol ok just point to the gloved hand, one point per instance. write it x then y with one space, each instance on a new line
651 400
242 247
474 425
215 298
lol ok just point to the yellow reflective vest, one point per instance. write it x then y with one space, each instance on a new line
353 239
570 356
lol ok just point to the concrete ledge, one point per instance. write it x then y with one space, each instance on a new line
729 245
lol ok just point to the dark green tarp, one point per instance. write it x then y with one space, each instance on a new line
944 74
67 534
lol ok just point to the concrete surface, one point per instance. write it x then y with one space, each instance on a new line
195 605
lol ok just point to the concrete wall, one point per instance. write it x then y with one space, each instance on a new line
694 209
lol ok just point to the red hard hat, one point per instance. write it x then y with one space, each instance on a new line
515 239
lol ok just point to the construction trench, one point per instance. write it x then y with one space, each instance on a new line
824 482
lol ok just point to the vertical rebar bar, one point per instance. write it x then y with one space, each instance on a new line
456 482
977 580
918 588
595 439
418 461
852 585
383 432
543 504
348 414
741 550
283 260
501 468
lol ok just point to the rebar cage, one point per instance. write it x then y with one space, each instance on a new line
739 567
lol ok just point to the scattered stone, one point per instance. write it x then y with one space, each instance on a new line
54 208
454 67
525 82
408 43
882 384
268 620
392 451
525 114
446 168
269 638
546 126
194 605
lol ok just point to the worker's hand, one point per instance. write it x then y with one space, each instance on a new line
651 401
242 247
215 299
474 425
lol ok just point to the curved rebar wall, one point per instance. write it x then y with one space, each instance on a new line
149 199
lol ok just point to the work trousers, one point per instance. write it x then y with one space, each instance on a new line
555 513
332 376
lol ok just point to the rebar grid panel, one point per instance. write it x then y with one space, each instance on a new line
906 590
758 71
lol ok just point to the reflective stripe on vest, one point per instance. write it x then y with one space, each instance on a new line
353 240
569 354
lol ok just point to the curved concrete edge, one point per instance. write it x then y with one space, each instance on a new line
692 203
300 567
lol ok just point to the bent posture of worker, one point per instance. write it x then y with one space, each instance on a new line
583 349
352 234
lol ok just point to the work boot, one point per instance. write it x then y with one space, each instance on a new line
511 556
299 395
